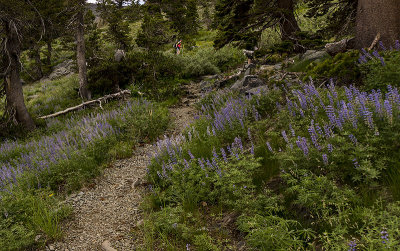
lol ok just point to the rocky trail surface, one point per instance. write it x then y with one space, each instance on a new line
106 212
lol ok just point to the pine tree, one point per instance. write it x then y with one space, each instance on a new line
113 13
155 32
16 19
341 15
244 20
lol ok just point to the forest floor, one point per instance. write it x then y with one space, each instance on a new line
106 211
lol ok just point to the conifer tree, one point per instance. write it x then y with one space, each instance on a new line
16 19
118 27
244 20
155 31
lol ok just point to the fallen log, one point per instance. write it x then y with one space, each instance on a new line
120 94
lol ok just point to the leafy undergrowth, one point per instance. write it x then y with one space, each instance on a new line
35 173
297 168
43 98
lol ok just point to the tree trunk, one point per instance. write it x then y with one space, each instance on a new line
38 61
49 52
287 22
377 16
14 95
80 53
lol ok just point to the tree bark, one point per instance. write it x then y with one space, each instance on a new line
14 95
377 16
38 61
49 52
80 53
287 22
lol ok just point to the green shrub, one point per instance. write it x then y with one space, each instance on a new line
378 76
343 67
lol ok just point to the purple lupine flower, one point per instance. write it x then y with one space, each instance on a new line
215 155
330 148
191 155
384 236
209 164
355 162
201 164
187 166
237 143
252 149
285 137
292 131
269 147
325 158
397 45
302 144
188 247
352 245
313 134
249 134
224 154
388 108
353 139
382 46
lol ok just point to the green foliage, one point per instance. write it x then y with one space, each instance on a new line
118 27
272 232
342 67
27 210
154 73
43 98
341 17
155 32
206 61
376 76
24 215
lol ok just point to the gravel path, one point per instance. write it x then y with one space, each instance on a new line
106 212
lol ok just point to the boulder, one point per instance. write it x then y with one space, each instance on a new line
252 81
249 69
312 55
62 69
237 85
340 46
119 55
247 83
257 90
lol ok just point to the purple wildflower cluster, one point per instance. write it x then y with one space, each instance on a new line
366 56
171 148
226 111
40 154
356 109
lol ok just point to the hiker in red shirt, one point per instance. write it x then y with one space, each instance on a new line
178 47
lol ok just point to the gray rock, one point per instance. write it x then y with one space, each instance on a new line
258 90
119 55
252 81
237 85
312 55
106 246
278 66
62 69
340 46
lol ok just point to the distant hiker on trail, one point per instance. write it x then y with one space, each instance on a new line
178 47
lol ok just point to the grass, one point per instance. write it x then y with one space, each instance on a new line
62 155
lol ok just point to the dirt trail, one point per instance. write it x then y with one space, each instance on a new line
109 209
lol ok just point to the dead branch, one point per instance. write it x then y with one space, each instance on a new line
120 94
376 40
